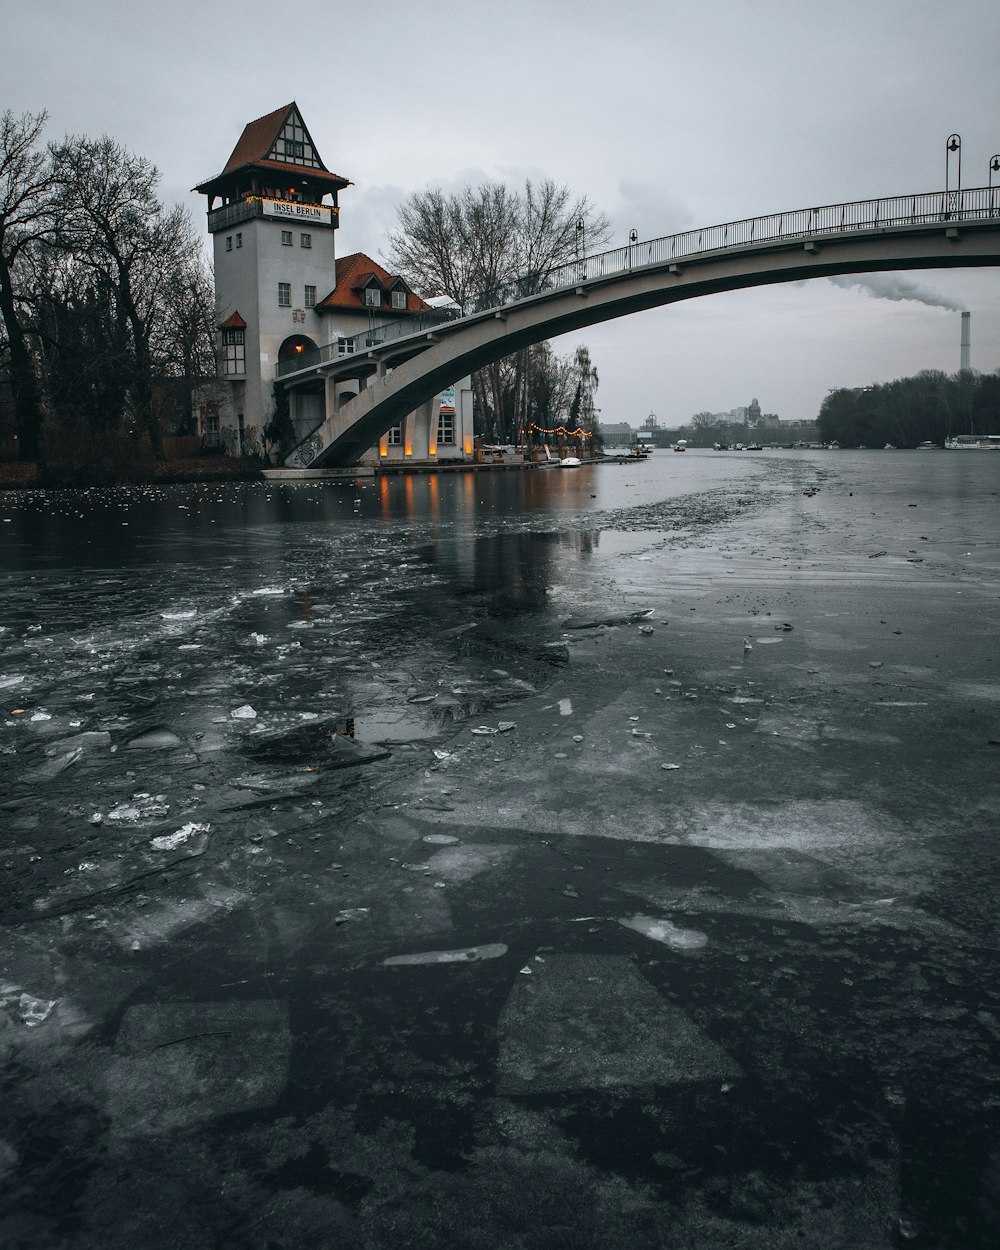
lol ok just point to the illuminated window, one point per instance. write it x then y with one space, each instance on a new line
446 428
395 436
373 297
399 299
234 352
305 240
286 238
284 295
310 300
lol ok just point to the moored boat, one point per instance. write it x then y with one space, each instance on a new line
973 442
570 462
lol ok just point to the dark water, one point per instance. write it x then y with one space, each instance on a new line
234 716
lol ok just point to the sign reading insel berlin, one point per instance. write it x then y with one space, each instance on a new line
316 214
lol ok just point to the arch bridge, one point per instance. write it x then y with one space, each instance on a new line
404 364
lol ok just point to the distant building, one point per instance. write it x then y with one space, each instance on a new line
617 434
282 294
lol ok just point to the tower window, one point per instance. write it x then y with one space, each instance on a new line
229 242
284 295
306 240
399 299
286 238
233 352
373 297
239 239
310 300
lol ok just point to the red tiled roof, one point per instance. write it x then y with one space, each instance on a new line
353 272
257 140
235 322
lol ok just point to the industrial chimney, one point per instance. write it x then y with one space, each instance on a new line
966 342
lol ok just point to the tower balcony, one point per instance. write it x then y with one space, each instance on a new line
292 211
232 214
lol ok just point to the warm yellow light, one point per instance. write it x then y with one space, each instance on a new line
468 446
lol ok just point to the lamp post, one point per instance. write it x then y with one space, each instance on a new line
633 239
581 246
953 147
994 169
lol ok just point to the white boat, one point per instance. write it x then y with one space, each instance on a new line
927 445
680 445
570 462
973 442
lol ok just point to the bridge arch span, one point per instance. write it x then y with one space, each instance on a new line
409 371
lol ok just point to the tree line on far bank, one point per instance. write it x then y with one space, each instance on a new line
929 407
106 301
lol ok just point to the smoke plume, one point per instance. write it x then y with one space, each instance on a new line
895 286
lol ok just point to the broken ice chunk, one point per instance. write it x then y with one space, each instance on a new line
35 1011
158 739
245 712
667 933
467 954
188 836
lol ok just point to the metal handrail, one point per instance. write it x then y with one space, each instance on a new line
972 204
374 336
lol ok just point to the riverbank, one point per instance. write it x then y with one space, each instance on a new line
18 475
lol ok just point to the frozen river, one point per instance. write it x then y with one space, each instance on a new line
593 858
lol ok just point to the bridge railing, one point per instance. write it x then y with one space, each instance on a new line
357 344
972 204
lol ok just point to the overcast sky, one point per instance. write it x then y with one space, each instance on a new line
667 115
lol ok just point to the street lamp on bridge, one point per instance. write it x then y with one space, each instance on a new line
633 239
994 169
953 147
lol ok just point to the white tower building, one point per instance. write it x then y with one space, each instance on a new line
273 214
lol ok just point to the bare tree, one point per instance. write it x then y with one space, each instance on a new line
115 227
482 246
187 343
26 219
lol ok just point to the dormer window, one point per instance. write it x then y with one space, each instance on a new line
399 299
373 297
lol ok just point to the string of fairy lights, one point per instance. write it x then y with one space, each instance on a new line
579 432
